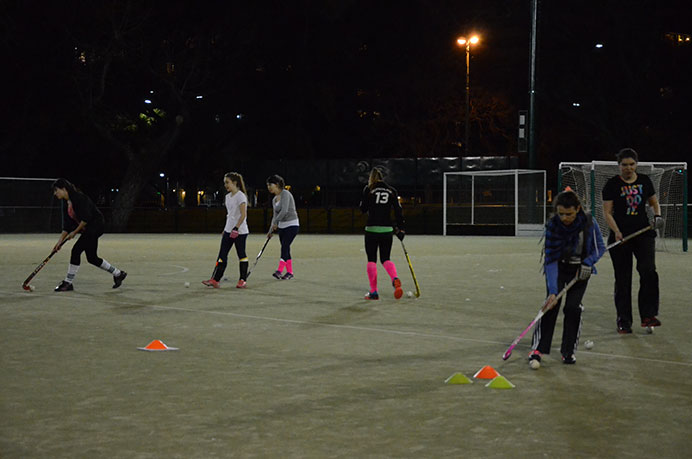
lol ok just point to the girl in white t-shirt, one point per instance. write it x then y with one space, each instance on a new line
235 231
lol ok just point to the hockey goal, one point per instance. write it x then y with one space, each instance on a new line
479 202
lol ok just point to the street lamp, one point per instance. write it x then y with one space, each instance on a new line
462 41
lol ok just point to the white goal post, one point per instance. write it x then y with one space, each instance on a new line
587 179
474 201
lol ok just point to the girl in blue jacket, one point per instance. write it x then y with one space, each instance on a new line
573 245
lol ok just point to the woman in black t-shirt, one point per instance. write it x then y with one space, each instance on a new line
625 197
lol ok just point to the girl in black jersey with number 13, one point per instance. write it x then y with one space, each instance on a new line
378 201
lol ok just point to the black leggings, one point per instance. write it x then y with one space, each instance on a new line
226 244
286 236
373 241
89 243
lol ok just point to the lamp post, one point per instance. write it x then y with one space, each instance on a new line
462 41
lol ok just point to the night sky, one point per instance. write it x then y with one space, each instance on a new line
333 79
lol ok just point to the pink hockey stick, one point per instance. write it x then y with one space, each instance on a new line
543 310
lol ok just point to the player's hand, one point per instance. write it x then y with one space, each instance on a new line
70 236
234 232
550 302
269 235
618 236
57 246
400 234
584 272
659 222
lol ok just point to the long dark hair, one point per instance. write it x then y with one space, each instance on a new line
66 184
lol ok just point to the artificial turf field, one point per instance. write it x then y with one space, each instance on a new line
307 368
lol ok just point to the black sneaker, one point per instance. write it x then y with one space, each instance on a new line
651 322
624 328
569 359
535 359
64 287
118 280
277 275
287 276
372 296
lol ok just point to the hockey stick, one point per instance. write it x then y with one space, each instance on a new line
25 284
258 257
630 236
543 310
410 266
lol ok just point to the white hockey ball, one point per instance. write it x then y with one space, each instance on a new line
409 294
32 288
187 285
588 344
534 364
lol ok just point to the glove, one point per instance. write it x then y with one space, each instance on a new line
234 232
659 222
400 234
584 272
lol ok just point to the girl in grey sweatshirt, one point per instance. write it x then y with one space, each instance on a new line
285 221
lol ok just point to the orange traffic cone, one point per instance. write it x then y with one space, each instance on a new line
487 372
157 345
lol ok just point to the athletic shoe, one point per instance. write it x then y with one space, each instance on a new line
569 359
398 292
118 280
241 284
535 359
64 287
372 296
651 322
287 276
277 275
211 283
623 328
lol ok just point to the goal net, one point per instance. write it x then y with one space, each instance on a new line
670 182
27 205
478 202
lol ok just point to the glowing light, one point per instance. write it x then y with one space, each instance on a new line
162 174
463 41
147 101
599 45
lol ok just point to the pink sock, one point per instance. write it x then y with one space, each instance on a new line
391 269
372 276
289 266
282 265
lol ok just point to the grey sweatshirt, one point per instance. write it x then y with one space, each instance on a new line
285 209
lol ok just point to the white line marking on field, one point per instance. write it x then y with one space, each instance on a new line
360 328
183 269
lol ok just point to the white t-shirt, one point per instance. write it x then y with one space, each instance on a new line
233 203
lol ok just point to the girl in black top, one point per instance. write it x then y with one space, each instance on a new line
378 201
80 215
625 198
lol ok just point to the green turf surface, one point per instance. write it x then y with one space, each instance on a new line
307 368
